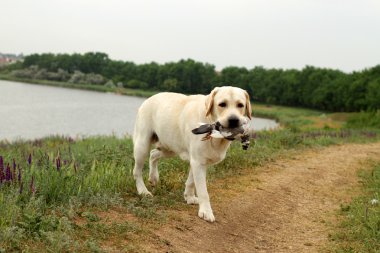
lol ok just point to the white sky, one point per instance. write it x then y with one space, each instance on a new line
343 34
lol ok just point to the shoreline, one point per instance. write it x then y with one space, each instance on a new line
91 87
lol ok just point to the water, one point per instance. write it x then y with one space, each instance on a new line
35 111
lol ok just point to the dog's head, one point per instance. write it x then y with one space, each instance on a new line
229 106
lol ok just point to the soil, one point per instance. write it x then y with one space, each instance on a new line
289 205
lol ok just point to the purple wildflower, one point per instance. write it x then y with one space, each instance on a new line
21 187
19 174
2 176
14 170
8 174
30 159
31 186
58 163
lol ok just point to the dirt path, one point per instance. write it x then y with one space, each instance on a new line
288 206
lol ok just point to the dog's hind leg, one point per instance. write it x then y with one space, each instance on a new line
189 193
155 155
140 152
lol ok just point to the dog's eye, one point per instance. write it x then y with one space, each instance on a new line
240 105
223 104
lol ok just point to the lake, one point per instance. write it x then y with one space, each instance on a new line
34 111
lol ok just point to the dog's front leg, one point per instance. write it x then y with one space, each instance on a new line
199 175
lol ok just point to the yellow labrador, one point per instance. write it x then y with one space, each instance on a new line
166 119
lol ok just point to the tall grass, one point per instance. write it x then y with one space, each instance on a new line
360 228
364 120
63 179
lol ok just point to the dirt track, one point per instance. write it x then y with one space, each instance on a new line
288 206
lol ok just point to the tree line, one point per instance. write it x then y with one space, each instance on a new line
318 88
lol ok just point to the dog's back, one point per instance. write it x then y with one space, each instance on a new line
163 117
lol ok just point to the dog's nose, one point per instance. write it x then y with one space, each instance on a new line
233 122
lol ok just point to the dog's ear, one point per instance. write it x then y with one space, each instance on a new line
248 107
210 101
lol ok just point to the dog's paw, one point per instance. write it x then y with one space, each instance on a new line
207 215
146 193
153 180
142 190
192 200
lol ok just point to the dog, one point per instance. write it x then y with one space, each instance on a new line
167 119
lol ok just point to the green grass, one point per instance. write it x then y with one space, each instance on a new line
96 174
92 87
300 118
360 228
364 120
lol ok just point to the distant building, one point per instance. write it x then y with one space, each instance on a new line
6 59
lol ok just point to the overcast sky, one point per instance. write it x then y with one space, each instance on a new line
342 34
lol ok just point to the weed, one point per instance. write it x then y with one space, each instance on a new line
364 120
360 228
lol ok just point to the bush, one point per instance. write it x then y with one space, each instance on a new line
60 75
94 79
34 72
110 84
170 84
91 78
29 73
136 84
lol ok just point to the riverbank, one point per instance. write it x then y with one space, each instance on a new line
286 116
92 87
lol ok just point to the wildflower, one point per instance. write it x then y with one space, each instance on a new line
21 187
19 174
2 176
30 159
8 174
58 163
14 170
32 188
374 202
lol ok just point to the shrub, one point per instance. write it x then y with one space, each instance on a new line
110 84
77 77
170 84
136 84
92 78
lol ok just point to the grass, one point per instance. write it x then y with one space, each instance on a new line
57 212
92 87
364 120
300 118
360 228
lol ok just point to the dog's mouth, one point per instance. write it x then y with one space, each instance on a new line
220 127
